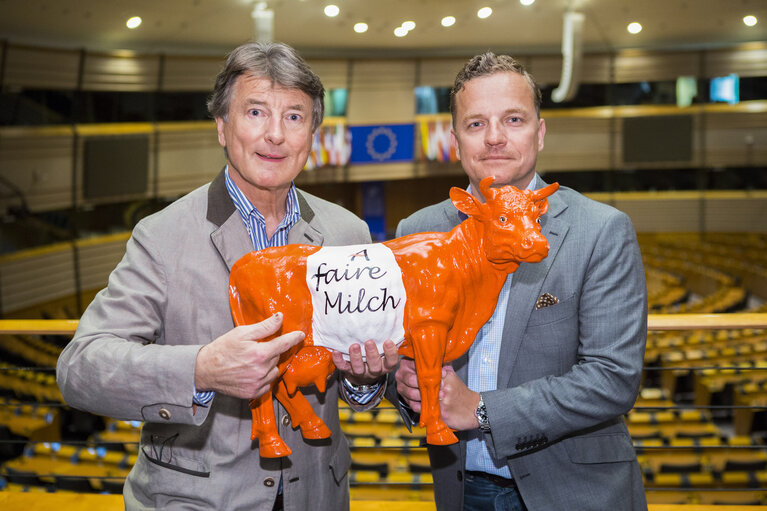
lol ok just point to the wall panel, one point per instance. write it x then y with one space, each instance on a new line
41 68
39 163
187 159
746 60
190 73
382 91
116 72
333 73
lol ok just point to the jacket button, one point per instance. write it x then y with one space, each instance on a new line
460 476
269 482
286 420
164 414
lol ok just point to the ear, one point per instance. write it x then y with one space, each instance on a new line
454 141
220 123
466 202
541 134
543 207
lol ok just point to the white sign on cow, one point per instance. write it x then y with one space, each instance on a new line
357 295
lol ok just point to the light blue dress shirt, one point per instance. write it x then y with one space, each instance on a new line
483 376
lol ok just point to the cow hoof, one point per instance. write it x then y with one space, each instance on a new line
314 430
273 449
444 436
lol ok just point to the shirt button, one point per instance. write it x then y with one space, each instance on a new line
486 360
269 482
286 420
164 414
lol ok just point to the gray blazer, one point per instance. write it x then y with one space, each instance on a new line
568 372
134 352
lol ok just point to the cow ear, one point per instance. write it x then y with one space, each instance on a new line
543 207
466 202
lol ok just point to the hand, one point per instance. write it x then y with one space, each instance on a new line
407 384
238 365
359 372
457 402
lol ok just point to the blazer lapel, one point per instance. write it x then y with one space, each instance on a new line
526 287
304 232
230 237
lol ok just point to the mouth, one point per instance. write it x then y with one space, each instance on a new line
270 157
496 157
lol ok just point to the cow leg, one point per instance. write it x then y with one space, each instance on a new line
429 346
264 428
301 413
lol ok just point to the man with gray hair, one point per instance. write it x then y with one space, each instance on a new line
159 344
538 400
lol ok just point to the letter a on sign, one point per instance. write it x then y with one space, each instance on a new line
361 253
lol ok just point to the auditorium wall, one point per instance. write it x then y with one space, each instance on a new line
45 163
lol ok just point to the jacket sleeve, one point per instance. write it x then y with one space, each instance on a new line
118 363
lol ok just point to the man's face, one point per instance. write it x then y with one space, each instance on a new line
497 132
267 135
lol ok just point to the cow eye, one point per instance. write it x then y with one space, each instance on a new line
502 219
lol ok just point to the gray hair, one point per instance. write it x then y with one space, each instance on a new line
487 64
276 61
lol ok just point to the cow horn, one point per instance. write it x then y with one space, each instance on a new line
484 188
545 192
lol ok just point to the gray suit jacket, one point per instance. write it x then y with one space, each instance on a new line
568 372
134 352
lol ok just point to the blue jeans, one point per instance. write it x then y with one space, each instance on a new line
479 494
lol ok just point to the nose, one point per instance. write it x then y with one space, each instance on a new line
533 239
275 132
494 135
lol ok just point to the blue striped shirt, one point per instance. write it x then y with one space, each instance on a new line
483 376
255 223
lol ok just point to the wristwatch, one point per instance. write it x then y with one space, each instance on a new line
481 414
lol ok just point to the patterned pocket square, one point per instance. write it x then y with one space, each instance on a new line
545 300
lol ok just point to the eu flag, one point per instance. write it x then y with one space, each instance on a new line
385 143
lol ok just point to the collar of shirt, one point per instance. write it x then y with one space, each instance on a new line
254 221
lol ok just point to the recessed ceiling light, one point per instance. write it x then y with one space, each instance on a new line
527 2
360 27
749 20
484 12
134 22
331 11
400 31
408 25
634 28
448 21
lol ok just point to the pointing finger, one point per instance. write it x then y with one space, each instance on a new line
265 328
283 343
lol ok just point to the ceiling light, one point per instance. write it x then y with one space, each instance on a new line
749 20
408 25
331 11
448 21
634 28
527 2
484 12
134 22
361 27
400 31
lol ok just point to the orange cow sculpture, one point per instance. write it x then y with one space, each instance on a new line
452 281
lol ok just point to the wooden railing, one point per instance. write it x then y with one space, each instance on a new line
654 322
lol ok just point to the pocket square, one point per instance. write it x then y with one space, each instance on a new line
545 300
